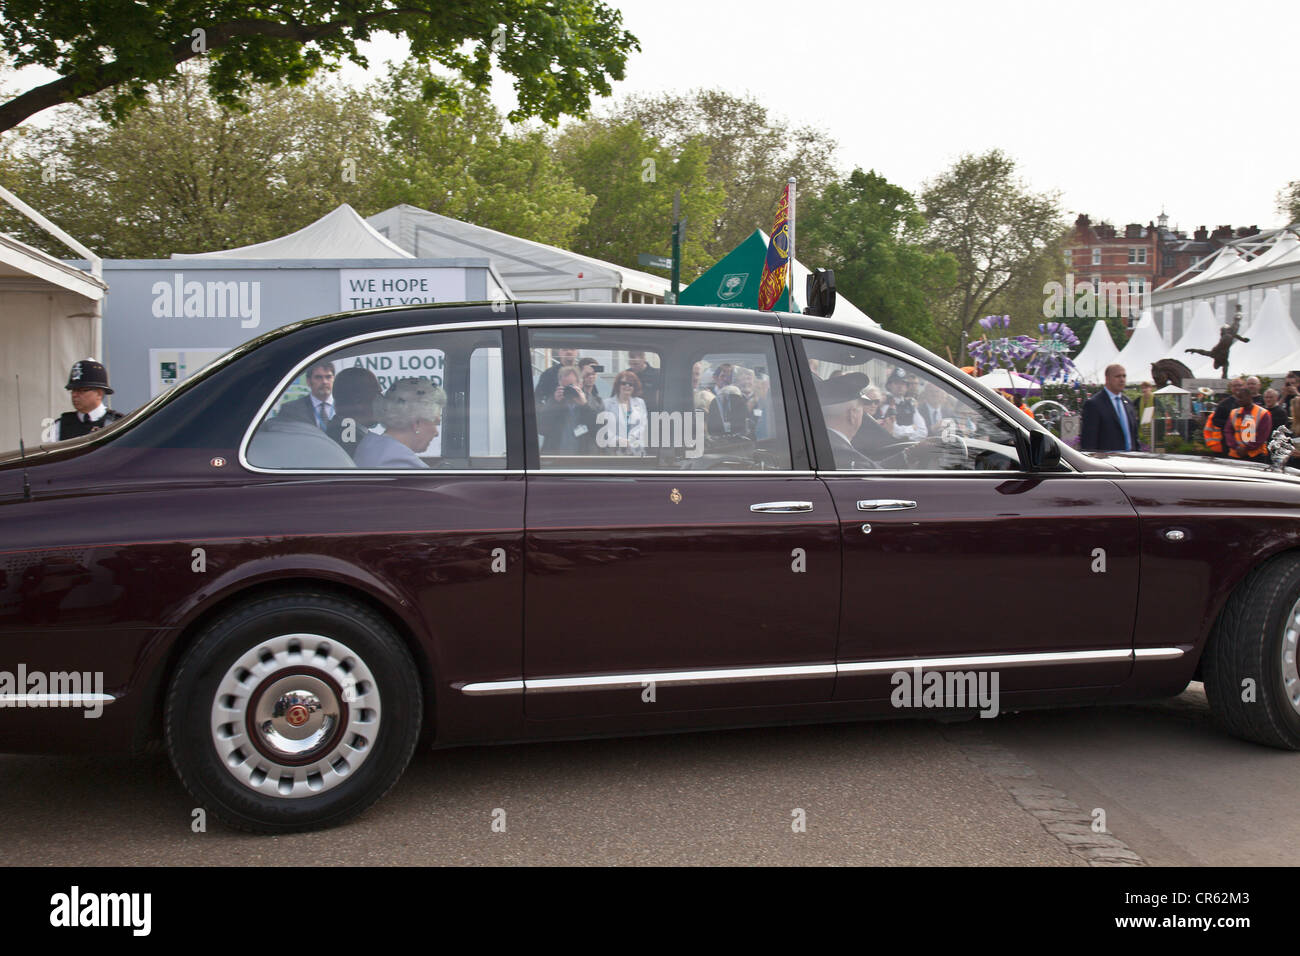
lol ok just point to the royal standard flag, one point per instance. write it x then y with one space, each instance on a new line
776 268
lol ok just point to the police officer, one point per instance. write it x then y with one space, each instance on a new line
88 383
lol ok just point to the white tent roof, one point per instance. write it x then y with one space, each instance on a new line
1143 347
1280 251
532 270
1274 341
1222 259
1098 352
340 234
1290 257
1201 333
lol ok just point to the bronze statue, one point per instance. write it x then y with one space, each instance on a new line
1169 371
1227 334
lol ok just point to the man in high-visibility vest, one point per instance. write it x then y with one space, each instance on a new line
1217 423
1249 426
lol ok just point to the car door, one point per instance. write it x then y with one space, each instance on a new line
680 554
955 557
417 483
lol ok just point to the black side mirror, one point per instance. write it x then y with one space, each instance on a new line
1044 453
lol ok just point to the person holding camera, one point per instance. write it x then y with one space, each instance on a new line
899 413
567 423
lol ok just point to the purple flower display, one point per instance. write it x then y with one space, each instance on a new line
1004 352
1051 355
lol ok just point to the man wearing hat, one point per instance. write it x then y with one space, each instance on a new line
842 400
88 383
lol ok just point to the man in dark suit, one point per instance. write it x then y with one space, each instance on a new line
1109 420
318 407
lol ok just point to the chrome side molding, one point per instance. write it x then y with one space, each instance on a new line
733 675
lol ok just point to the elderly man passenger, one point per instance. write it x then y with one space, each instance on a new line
410 411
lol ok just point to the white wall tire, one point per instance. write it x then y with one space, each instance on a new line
293 712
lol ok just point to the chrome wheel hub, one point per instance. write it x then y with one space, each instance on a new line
295 715
1290 672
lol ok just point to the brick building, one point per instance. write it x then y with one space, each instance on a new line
1139 258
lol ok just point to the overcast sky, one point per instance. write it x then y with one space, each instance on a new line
1125 106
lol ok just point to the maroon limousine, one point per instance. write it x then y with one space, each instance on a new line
476 523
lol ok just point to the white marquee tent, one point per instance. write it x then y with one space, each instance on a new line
533 270
1143 347
340 234
49 319
1274 342
1098 352
1201 333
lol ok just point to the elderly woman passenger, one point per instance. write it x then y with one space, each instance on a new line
410 411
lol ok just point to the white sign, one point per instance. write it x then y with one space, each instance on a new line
170 366
388 367
374 288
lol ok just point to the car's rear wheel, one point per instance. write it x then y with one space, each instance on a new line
1250 665
293 712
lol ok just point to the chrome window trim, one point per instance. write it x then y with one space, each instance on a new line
730 675
667 324
649 473
978 399
651 323
936 472
500 324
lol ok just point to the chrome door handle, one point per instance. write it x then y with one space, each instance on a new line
781 507
885 504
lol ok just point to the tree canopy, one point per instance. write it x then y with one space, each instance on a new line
998 230
751 153
871 233
633 177
559 53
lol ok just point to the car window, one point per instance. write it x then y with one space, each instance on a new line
657 399
431 400
882 412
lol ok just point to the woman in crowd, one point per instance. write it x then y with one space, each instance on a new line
627 427
410 411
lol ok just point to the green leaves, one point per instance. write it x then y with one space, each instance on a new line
1288 201
997 229
633 177
871 233
559 53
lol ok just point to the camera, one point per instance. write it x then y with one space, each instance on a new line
571 392
905 411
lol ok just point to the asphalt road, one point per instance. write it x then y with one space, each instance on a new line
1006 791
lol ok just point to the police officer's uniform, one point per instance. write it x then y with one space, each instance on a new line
86 374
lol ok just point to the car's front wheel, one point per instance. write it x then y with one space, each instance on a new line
1250 664
293 712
